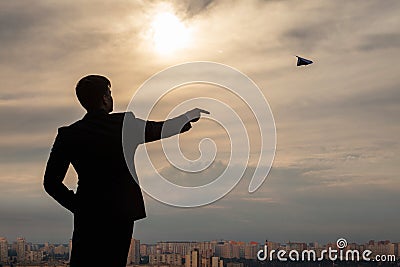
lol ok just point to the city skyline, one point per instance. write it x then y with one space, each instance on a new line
335 172
208 241
204 253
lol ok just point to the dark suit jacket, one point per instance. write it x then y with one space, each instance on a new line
93 145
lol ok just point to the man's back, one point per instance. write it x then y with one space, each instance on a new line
93 146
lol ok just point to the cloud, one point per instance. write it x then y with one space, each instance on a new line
336 167
380 41
322 208
194 7
265 200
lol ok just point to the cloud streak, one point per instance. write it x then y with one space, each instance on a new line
337 126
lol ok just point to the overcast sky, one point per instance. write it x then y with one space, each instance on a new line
336 169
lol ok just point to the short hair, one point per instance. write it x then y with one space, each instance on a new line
91 89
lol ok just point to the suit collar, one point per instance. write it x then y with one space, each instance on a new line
95 113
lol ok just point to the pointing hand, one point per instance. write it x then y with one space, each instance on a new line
195 114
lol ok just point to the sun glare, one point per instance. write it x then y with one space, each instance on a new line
168 33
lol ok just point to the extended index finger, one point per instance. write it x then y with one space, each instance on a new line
204 111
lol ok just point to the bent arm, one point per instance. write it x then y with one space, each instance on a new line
56 168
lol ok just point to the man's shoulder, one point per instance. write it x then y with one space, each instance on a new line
117 117
120 115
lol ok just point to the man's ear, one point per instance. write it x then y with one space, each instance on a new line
105 99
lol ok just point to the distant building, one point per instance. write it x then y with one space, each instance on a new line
193 259
205 262
216 262
223 250
177 247
250 250
313 245
60 250
381 247
397 250
21 244
143 250
151 249
33 256
298 246
206 248
134 252
273 246
238 250
69 249
3 250
188 260
170 259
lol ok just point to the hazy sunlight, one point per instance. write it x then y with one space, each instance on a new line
168 33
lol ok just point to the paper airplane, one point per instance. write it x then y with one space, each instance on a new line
303 61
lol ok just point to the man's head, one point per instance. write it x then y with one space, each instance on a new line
93 92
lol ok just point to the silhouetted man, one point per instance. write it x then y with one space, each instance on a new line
107 200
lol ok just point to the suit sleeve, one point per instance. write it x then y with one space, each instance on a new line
156 130
149 131
56 168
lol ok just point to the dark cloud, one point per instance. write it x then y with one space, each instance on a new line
37 118
45 36
195 6
29 135
309 37
327 26
380 41
24 154
381 106
19 22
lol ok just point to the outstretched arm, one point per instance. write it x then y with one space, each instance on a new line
56 168
156 130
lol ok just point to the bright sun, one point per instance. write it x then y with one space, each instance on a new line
168 33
